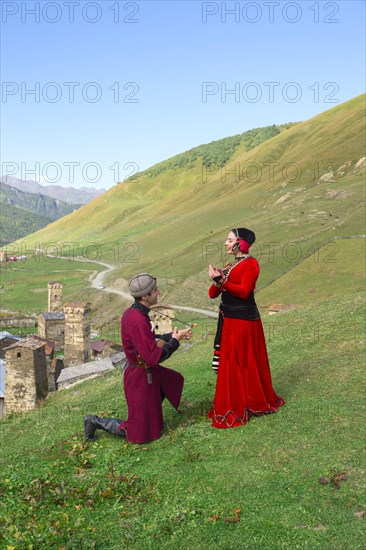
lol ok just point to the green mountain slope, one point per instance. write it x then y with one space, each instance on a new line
333 270
22 213
217 153
16 223
302 186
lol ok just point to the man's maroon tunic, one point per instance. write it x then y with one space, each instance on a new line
144 399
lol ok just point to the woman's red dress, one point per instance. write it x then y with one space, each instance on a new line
244 384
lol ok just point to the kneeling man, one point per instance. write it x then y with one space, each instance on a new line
146 382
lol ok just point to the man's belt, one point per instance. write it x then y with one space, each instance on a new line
142 365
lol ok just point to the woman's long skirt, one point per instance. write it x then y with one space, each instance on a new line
244 383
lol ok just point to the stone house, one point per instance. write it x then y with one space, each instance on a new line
101 349
161 316
26 380
6 339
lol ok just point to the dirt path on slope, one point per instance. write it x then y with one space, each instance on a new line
97 282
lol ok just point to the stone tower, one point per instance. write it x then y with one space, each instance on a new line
26 375
77 333
54 296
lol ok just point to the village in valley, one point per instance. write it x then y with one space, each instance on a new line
61 354
64 348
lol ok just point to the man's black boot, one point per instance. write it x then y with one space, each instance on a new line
90 426
110 425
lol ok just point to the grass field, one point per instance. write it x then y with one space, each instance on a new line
24 283
291 480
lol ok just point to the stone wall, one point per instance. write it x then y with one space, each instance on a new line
26 376
75 374
18 322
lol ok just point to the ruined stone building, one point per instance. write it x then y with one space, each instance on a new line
162 316
26 375
77 333
101 349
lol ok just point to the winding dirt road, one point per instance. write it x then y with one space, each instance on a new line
98 283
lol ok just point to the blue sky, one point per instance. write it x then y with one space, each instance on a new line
120 86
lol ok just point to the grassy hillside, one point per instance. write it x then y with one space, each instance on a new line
328 140
294 479
16 223
334 270
216 154
24 283
297 190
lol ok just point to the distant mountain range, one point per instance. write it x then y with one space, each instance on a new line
22 213
69 195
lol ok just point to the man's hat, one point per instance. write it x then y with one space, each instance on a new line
141 284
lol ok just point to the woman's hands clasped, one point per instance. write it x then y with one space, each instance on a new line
214 272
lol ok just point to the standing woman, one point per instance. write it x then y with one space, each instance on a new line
244 384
